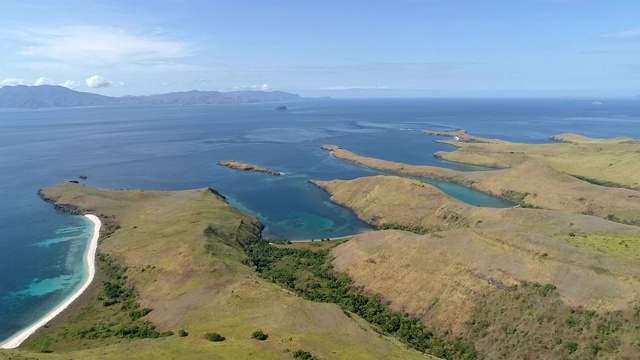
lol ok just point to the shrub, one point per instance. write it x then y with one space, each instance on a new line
182 333
571 347
259 335
138 331
546 289
303 355
215 337
135 315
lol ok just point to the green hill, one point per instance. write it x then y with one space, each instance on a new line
173 261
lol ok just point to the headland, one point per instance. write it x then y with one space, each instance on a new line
171 268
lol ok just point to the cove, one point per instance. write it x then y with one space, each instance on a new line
467 195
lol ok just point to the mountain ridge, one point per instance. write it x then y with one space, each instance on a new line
45 96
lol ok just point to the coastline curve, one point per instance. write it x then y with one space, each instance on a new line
90 256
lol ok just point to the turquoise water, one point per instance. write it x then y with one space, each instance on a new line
49 285
173 148
475 198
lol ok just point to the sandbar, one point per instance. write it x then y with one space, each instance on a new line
90 256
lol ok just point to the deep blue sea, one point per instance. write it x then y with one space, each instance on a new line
172 148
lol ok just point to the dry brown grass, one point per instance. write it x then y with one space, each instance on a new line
524 238
462 277
612 161
538 184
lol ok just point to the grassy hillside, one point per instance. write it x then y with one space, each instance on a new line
518 283
178 254
530 184
610 162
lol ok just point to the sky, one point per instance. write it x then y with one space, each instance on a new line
346 48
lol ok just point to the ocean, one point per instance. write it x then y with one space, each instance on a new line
172 148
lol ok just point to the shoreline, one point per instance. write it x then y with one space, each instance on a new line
90 256
320 240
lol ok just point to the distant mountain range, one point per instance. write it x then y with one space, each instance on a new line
31 97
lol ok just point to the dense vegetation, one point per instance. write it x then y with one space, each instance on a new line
116 292
517 197
310 275
603 182
414 229
525 319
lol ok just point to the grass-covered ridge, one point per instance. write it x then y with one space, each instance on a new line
611 162
309 274
514 282
177 259
530 182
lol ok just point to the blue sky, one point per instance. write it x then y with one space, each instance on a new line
348 48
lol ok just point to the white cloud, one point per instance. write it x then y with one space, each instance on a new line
12 82
98 46
631 34
263 87
97 81
342 87
42 81
69 84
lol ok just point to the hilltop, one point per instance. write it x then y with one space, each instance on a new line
22 96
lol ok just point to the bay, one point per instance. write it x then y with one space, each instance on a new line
172 148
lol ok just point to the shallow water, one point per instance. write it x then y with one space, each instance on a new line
172 148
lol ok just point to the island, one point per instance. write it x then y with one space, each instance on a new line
247 167
281 107
45 96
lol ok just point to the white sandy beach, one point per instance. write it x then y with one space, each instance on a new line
90 257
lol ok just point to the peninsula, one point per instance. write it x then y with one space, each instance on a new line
530 182
171 270
247 167
549 276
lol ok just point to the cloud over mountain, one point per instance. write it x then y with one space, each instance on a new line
97 81
12 82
